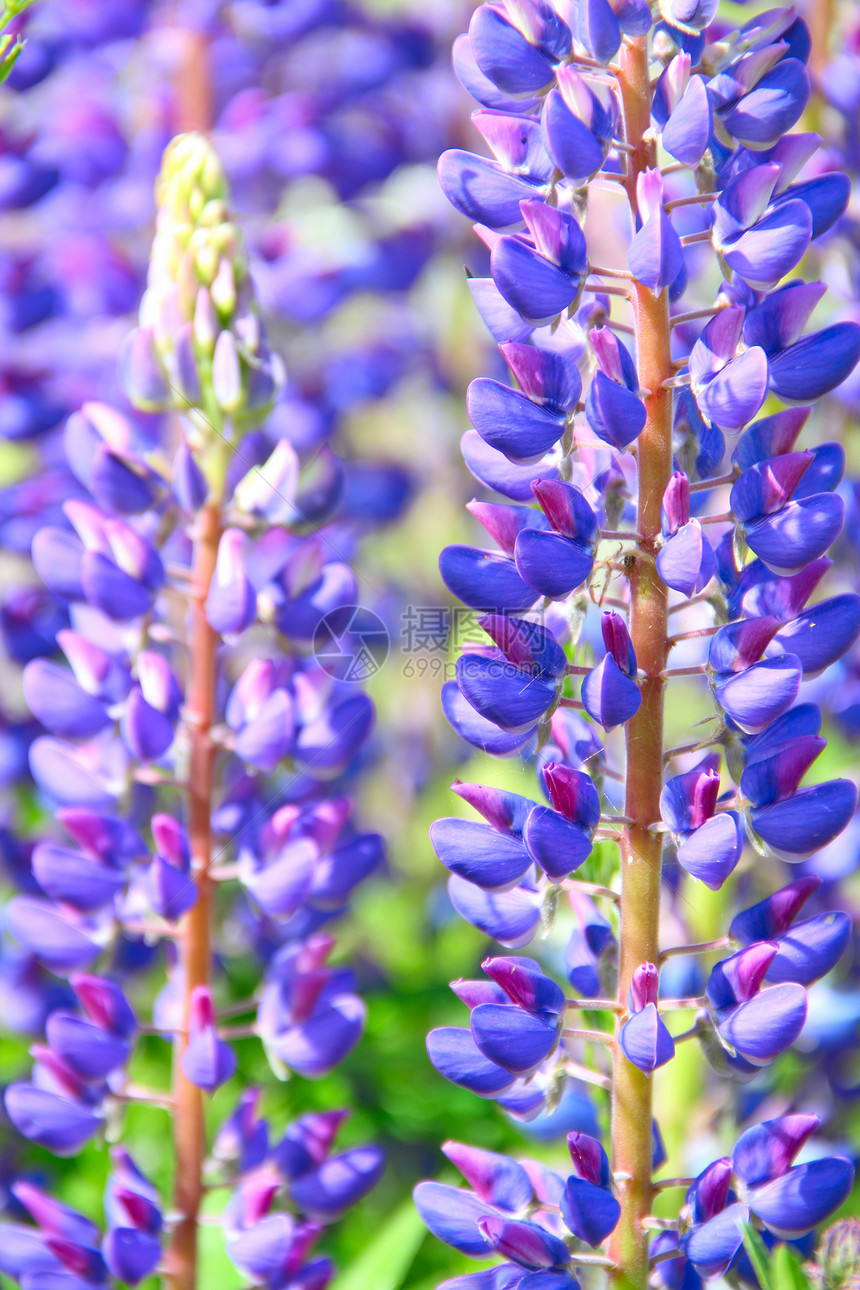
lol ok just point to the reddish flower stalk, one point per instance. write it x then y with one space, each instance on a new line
189 1133
640 846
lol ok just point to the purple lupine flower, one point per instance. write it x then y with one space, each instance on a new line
643 1038
514 684
588 1207
519 1027
131 1246
560 839
309 1017
709 843
806 950
207 1061
729 388
756 1021
788 1200
609 693
121 718
732 98
686 561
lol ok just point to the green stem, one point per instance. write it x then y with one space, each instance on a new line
640 847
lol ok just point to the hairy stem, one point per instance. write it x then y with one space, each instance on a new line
189 1133
640 847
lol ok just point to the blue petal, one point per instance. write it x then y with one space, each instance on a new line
686 561
645 1041
479 853
503 694
54 1122
599 30
505 56
770 917
74 877
90 1051
798 533
477 730
455 1055
712 1246
614 413
766 1150
573 147
775 776
505 1276
826 196
610 697
538 289
452 1215
338 1183
763 254
687 133
57 700
130 1254
816 364
778 321
824 473
495 470
798 1201
772 107
510 917
553 565
755 697
810 949
767 1024
591 1212
501 319
484 579
526 1243
558 845
496 1178
476 83
807 821
821 635
57 558
525 983
712 852
514 1039
482 190
734 395
512 423
56 940
654 256
110 589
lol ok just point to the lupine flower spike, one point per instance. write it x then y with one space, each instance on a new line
647 454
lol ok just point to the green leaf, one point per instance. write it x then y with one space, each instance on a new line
12 8
385 1261
758 1256
787 1269
8 60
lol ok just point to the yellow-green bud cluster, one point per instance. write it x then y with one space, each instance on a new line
200 346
